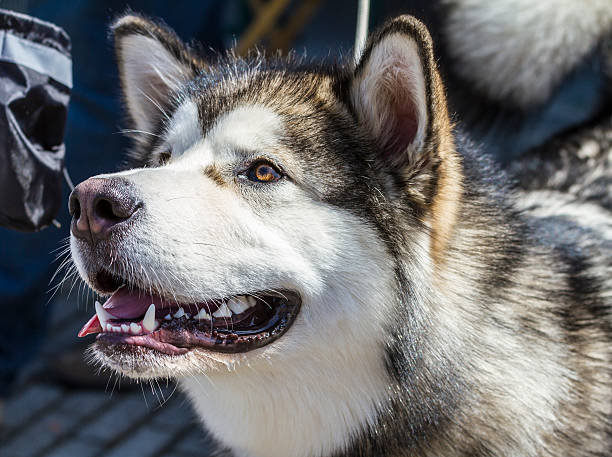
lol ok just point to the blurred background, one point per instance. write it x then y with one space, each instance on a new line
56 405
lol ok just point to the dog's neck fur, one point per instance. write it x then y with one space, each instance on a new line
311 401
518 300
307 406
260 412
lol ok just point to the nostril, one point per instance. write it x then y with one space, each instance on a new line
104 209
74 207
77 210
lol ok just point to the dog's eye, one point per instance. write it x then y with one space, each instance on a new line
263 172
164 157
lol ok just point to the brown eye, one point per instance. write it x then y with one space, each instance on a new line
165 157
263 172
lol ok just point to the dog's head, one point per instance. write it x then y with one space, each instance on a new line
260 222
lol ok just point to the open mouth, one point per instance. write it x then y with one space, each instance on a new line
233 324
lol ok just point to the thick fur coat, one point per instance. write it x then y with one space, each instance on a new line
446 308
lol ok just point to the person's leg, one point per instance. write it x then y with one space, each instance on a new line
25 270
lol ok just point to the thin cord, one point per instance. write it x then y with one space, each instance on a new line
71 186
67 178
361 33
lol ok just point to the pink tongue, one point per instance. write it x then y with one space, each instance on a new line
130 305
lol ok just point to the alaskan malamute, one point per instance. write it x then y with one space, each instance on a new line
329 268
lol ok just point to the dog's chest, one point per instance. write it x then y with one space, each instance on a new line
309 410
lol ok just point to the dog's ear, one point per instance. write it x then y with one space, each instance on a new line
153 64
397 95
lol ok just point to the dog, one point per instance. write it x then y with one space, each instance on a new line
518 53
328 266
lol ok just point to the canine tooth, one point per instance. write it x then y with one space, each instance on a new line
148 323
125 328
223 311
103 315
109 327
238 305
252 301
168 317
179 313
135 329
202 315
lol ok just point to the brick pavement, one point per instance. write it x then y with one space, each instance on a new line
46 419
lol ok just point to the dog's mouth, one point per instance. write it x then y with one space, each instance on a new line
240 323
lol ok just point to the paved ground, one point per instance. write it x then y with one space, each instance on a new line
44 418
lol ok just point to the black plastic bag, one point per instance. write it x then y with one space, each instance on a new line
35 83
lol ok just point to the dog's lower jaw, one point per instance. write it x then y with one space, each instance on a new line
313 406
144 364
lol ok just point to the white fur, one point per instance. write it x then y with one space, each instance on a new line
149 74
520 49
251 128
392 75
184 129
307 393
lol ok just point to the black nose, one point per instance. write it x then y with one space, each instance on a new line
99 205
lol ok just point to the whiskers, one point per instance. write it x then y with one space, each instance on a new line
66 266
136 131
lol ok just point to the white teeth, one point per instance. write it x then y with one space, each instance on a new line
179 313
149 323
103 315
135 329
202 315
223 311
168 317
113 328
252 301
125 328
238 305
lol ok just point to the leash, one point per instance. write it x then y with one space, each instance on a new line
361 32
67 178
70 184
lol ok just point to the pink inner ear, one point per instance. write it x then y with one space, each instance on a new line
391 98
402 129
